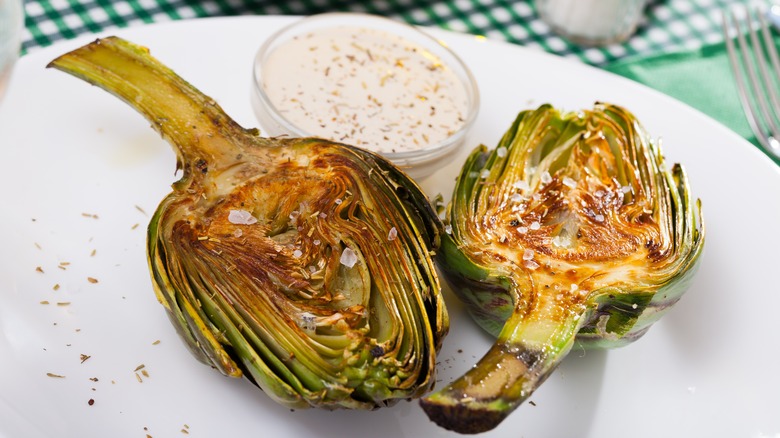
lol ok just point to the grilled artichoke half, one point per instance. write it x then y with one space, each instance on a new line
303 264
572 228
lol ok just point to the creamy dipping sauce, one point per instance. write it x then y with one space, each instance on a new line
365 87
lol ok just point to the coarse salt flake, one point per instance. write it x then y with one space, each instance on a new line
448 229
348 257
338 201
530 264
599 218
528 254
561 241
393 234
522 230
535 225
241 217
516 198
625 189
297 253
546 177
569 182
484 174
573 287
307 321
522 185
501 152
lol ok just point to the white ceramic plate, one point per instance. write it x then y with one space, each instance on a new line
71 152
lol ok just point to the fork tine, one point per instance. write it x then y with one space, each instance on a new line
759 105
762 118
763 84
771 77
747 106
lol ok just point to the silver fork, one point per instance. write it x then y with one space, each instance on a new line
757 83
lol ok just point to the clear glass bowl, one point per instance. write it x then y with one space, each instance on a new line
11 22
592 22
418 163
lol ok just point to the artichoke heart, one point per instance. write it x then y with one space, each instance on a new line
571 230
301 264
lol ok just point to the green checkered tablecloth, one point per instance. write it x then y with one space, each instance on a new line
668 25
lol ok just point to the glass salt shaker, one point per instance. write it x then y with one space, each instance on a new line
592 22
11 23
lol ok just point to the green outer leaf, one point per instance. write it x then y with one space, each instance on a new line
488 297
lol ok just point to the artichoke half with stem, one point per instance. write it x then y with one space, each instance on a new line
571 230
302 264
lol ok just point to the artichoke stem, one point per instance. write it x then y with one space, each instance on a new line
528 349
198 128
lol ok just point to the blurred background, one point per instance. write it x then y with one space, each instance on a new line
663 26
674 46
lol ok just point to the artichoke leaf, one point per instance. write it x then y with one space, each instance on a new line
572 230
302 264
